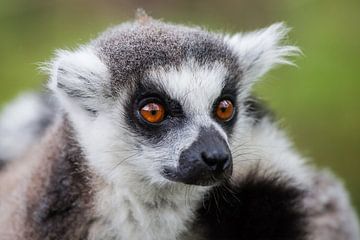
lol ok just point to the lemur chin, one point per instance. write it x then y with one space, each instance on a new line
151 132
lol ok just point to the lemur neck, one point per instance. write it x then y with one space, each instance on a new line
136 209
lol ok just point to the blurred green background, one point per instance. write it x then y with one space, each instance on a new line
318 102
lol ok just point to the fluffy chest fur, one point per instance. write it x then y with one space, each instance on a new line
143 212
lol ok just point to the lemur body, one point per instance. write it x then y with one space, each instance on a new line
104 171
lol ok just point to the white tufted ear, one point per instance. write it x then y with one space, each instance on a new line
261 50
79 78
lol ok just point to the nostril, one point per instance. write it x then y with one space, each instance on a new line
215 160
208 159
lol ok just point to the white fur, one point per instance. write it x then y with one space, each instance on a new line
80 71
264 146
133 211
195 86
261 50
19 125
267 149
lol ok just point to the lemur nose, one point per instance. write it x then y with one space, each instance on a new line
217 161
206 161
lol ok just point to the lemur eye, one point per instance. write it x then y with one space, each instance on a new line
153 112
224 111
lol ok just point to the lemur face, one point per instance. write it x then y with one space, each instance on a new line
163 101
183 117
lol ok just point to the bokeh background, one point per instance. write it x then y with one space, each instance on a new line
317 102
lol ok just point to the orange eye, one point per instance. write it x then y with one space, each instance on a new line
153 112
224 110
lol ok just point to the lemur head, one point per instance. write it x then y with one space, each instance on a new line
165 102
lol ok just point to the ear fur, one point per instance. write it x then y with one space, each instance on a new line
79 77
261 50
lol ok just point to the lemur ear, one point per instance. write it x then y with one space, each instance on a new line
261 50
79 78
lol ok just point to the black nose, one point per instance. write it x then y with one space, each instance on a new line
216 160
207 161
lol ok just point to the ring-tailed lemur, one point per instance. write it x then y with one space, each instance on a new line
157 136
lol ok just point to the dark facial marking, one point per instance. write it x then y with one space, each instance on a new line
153 133
257 110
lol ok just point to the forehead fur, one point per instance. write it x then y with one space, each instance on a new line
132 48
195 86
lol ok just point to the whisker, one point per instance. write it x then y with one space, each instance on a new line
125 159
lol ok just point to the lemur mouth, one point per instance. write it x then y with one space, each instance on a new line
200 177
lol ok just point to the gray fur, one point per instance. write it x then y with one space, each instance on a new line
61 206
24 122
131 49
331 217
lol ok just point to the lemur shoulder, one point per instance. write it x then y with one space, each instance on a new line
151 132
